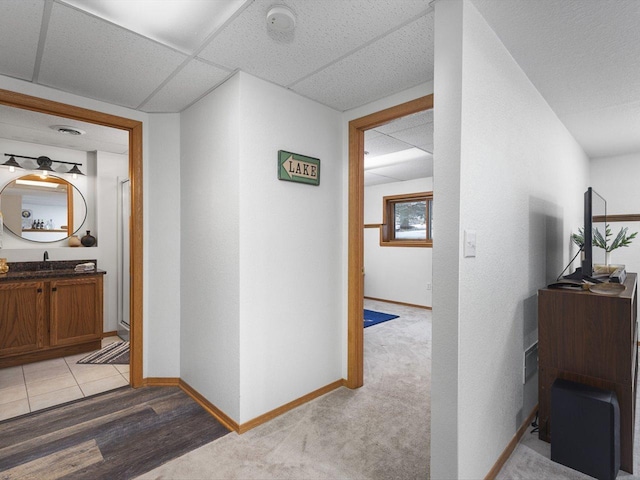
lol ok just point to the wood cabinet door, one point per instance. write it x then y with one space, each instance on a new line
22 314
76 310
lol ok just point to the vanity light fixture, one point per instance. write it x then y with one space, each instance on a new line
44 165
75 171
12 164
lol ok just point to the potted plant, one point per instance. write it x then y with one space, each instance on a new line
622 239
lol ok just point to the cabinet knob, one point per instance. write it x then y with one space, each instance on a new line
54 289
39 290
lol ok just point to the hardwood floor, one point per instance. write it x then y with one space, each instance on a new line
118 434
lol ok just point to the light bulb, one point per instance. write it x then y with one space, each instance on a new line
12 169
74 176
44 174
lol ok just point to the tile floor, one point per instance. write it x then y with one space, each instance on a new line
34 386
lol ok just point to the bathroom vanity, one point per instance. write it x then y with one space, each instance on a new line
49 310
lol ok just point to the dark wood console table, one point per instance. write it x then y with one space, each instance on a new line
590 339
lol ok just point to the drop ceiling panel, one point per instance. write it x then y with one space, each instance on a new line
325 31
581 55
607 132
410 170
34 127
19 33
190 21
371 178
189 84
409 121
382 145
96 59
420 135
398 61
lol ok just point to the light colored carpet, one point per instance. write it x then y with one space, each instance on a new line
380 431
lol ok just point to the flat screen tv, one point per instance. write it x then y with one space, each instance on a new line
595 221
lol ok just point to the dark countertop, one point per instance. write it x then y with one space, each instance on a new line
42 270
44 274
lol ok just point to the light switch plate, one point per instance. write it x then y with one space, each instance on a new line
469 243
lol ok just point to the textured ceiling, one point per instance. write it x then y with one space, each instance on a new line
583 56
342 53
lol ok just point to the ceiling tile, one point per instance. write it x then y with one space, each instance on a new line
409 121
21 22
607 132
421 135
384 67
181 24
371 178
325 30
34 127
192 82
79 57
407 170
383 144
580 55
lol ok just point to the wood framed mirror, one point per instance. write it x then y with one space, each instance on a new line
42 210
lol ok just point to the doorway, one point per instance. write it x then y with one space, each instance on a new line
355 327
134 128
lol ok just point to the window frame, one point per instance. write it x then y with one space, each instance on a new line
387 229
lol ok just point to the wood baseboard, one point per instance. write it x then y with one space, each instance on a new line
398 303
112 333
161 382
214 411
290 406
511 446
227 421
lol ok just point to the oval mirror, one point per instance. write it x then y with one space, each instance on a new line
42 209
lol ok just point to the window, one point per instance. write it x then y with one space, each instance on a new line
407 220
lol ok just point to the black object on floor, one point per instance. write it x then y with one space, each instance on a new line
585 429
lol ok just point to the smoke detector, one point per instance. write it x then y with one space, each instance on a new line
281 19
67 130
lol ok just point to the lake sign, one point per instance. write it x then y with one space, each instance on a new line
293 167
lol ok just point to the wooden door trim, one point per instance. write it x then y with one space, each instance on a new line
355 305
134 127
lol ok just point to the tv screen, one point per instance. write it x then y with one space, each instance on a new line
595 221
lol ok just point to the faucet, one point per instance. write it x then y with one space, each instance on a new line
45 257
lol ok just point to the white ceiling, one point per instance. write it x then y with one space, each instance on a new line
582 55
342 53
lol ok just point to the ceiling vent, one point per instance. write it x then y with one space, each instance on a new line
67 130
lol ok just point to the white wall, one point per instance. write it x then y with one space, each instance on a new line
209 253
517 179
616 179
400 274
290 266
164 227
158 325
261 276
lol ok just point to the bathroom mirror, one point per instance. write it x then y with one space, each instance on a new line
44 210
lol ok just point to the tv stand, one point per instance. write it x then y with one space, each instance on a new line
590 339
